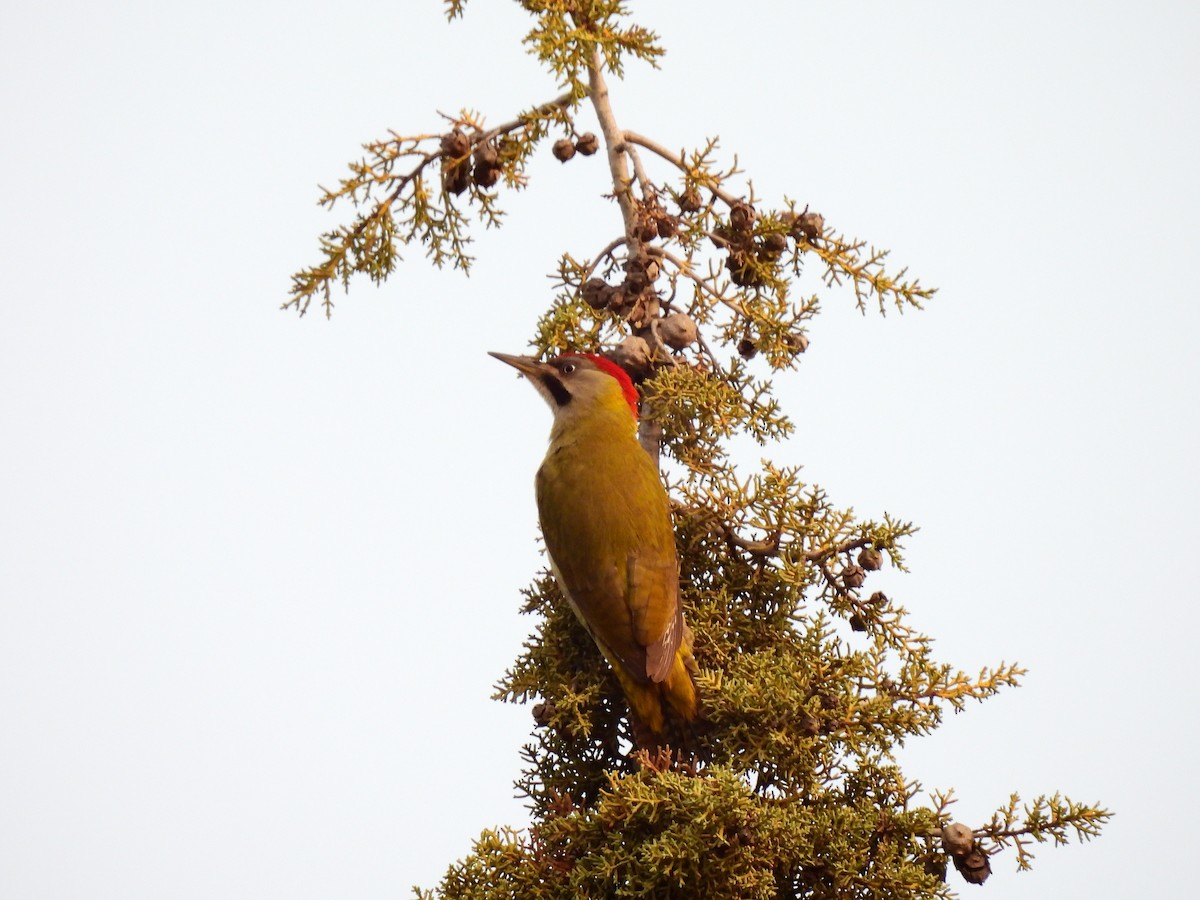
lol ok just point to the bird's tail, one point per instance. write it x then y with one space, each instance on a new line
665 713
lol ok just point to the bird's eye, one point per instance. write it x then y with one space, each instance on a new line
568 368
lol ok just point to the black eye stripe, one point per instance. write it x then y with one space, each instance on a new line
557 390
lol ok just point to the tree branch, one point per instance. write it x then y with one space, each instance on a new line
678 161
614 142
562 101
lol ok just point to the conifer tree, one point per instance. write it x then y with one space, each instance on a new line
810 679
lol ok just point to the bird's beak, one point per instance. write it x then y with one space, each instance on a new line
526 365
543 376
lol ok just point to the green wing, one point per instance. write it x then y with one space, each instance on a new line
608 533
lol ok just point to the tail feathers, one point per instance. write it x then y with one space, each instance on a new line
665 713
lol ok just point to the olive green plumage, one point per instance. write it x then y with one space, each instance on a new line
606 520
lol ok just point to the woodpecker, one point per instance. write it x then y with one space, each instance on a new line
606 521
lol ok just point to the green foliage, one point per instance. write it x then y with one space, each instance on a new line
402 201
663 833
810 681
1045 819
566 34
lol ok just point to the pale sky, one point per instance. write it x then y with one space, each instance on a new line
259 574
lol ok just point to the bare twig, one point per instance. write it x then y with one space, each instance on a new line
707 350
685 268
654 147
639 171
560 102
823 553
614 141
607 251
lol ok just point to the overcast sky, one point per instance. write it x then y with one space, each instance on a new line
258 573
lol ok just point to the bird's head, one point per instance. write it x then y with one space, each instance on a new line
578 383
